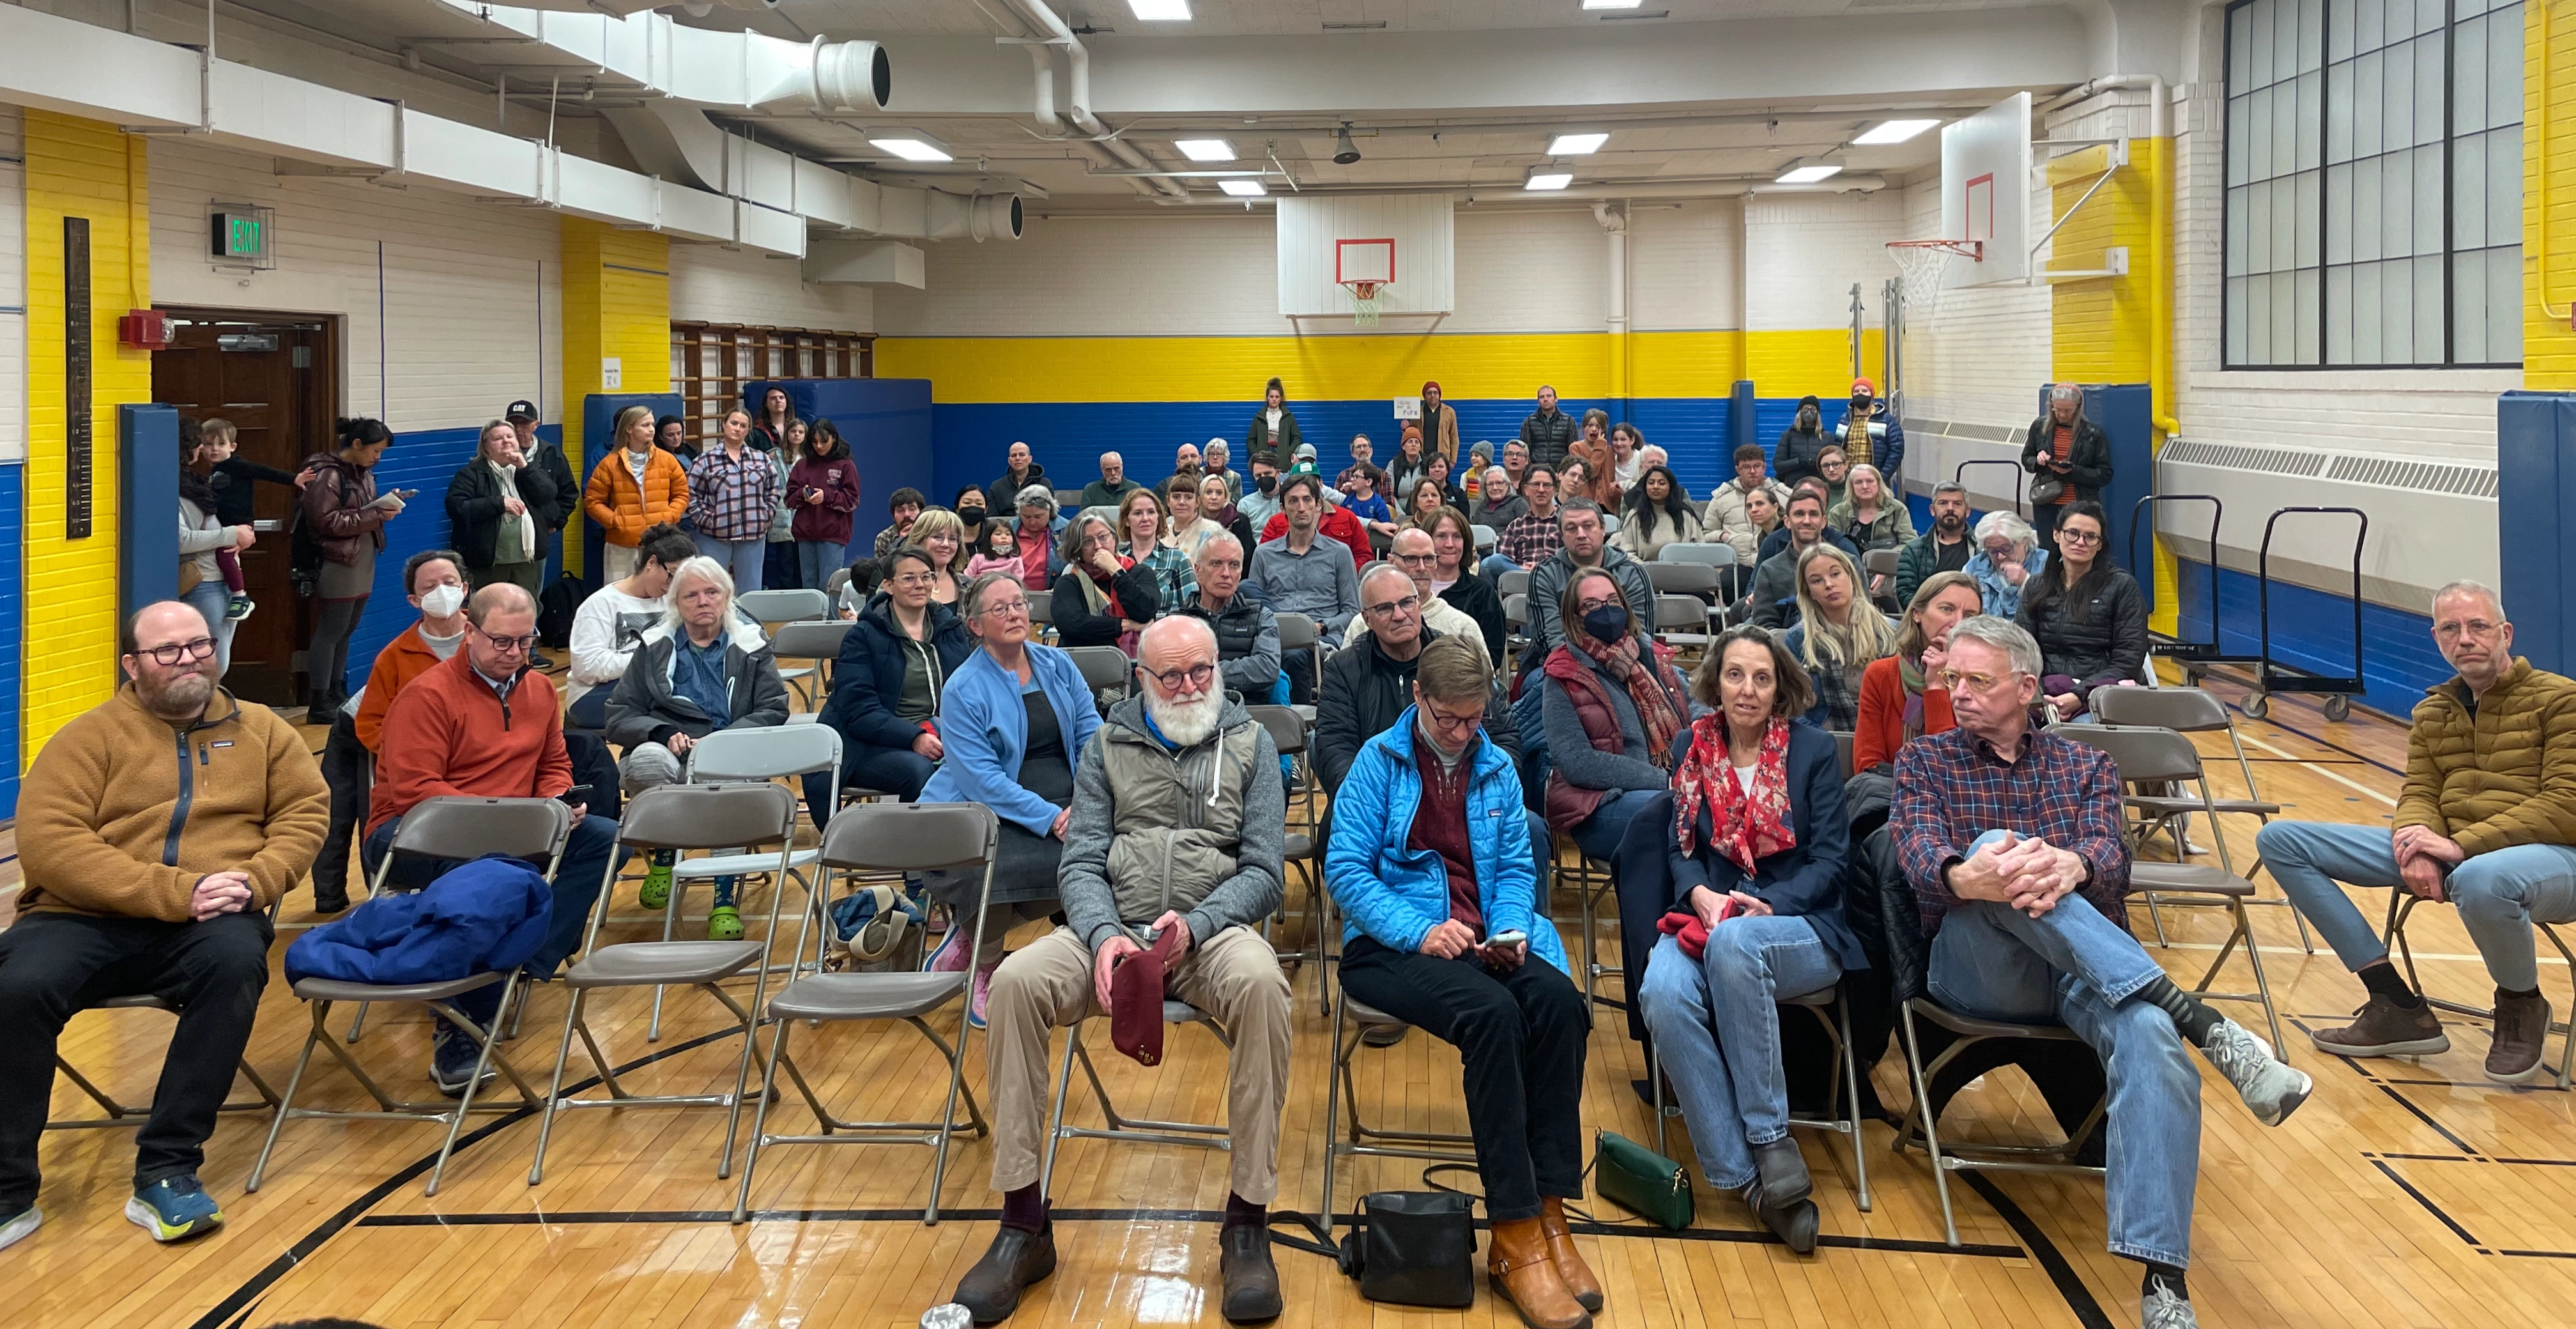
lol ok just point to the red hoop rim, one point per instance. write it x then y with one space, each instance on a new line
1365 290
1972 249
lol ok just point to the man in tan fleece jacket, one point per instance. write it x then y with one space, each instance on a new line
155 831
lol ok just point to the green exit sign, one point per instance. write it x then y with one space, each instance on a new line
240 235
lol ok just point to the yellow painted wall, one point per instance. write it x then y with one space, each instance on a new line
616 304
2548 200
1810 360
2101 328
78 168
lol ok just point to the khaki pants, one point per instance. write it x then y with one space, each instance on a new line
1234 977
616 562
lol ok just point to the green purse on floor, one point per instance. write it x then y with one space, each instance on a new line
1641 1181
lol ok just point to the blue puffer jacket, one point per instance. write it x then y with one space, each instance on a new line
984 727
1396 895
480 917
867 679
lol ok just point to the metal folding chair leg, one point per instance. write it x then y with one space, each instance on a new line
555 1101
2244 932
1137 1130
1340 1096
122 1114
2401 905
1844 1087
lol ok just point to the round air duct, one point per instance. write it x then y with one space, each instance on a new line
850 76
981 217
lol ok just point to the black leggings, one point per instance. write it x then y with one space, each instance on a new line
326 661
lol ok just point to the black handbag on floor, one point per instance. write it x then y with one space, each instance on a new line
1410 1248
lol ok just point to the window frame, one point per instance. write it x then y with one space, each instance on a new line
2322 330
747 354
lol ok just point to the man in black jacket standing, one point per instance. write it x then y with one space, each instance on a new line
1548 432
552 513
2069 449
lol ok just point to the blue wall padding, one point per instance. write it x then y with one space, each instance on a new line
2124 412
2312 630
889 425
424 460
2535 492
147 481
1739 419
598 439
13 620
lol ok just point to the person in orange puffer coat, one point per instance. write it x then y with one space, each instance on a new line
633 489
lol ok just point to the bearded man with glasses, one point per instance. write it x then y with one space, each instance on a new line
1177 834
482 724
154 831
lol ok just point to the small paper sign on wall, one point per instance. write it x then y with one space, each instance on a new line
612 373
1408 408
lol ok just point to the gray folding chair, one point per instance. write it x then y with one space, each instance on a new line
1609 522
1485 539
1296 632
2161 755
2193 711
1697 579
1041 615
1716 554
878 838
1681 622
832 584
1514 581
1515 627
1107 669
771 608
742 755
815 643
1842 1088
2401 907
121 1114
1879 562
678 817
1305 850
443 828
1339 1093
1134 1130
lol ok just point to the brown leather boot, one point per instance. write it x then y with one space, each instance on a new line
1570 1267
1522 1274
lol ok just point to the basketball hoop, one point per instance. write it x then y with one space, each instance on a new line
1364 302
1922 264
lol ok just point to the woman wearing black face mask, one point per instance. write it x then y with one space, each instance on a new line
1618 717
1795 458
970 511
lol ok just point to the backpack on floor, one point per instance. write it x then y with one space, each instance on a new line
555 610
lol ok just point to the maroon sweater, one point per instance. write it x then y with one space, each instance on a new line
1440 825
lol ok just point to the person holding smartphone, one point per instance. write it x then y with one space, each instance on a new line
1430 861
1757 851
346 518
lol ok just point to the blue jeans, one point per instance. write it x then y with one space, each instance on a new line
2072 966
897 771
576 886
1600 833
1495 565
210 598
1717 1033
741 558
817 560
2500 893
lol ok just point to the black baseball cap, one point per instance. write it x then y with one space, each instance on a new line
521 410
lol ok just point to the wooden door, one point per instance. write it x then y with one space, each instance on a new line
276 378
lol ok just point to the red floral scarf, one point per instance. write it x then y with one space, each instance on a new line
1744 827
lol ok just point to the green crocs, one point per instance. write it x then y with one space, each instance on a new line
724 923
655 893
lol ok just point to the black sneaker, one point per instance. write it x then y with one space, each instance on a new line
1017 1259
452 1054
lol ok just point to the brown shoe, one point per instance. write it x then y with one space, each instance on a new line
2521 1028
1251 1278
1522 1274
1570 1267
2382 1028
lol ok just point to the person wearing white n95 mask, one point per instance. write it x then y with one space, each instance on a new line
435 581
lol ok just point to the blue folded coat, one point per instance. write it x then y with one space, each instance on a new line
480 917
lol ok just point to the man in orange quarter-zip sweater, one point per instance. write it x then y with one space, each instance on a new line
482 724
155 831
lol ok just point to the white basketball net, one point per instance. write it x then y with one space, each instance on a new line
1923 263
1364 302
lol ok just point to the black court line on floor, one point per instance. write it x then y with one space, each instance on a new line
2328 744
2301 1023
1744 1236
236 1309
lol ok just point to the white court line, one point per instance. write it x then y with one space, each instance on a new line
2348 784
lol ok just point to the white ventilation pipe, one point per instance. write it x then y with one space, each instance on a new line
734 69
1077 59
1615 224
678 141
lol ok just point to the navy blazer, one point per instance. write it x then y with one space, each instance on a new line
1804 881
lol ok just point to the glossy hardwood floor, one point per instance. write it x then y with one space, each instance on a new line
2406 1192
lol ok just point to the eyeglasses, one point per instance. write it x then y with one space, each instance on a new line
1006 608
197 648
1955 680
1587 605
1410 560
1452 724
915 579
2070 536
507 645
1406 605
1197 676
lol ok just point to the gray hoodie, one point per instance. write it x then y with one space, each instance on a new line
1202 831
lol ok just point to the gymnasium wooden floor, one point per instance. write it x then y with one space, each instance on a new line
2405 1193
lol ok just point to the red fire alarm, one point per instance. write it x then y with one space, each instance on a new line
147 329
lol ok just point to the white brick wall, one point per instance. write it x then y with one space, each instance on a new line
1803 252
468 313
13 286
1686 266
713 284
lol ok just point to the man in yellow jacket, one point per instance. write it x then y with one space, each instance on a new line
155 831
2487 821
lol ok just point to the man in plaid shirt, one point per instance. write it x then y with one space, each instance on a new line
1533 535
2011 838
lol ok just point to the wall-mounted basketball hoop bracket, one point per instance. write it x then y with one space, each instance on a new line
2115 259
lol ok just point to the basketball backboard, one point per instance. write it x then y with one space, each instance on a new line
1401 244
1985 192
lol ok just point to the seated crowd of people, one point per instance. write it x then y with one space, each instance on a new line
1457 759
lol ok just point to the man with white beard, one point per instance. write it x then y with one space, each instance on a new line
1178 829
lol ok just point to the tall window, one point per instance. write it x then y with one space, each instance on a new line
711 362
2374 183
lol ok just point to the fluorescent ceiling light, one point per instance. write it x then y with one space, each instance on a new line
1894 131
1543 178
1243 188
1205 149
1576 145
1612 4
910 144
1153 11
1808 173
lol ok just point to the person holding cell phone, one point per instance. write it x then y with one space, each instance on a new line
1430 861
346 518
1757 849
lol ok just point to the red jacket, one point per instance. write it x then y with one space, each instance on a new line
1338 524
449 733
1881 726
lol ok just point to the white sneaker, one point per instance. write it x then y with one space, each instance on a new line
2272 1088
2159 1308
19 1227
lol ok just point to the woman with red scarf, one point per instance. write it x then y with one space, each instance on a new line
1616 715
1756 916
1103 598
